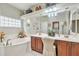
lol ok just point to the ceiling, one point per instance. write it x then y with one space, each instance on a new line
25 6
22 6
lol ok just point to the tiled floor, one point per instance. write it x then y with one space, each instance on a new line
30 52
33 53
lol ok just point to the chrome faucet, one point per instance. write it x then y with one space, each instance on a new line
7 42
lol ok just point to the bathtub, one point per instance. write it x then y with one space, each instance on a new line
17 47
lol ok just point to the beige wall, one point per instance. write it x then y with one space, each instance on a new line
10 11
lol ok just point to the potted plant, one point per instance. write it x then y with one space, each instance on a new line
51 32
22 34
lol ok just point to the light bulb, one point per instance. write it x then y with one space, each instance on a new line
54 9
55 14
50 10
46 11
52 14
28 21
49 15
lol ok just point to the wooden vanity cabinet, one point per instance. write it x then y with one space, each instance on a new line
33 43
75 49
37 44
65 48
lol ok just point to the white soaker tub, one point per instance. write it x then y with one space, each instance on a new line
18 47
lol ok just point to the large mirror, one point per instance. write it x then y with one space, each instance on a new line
58 23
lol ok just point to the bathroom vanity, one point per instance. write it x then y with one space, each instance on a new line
63 46
67 25
43 45
67 48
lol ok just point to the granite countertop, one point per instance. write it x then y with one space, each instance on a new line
71 38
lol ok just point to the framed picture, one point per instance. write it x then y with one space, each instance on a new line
55 25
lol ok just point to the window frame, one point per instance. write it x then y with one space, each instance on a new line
10 22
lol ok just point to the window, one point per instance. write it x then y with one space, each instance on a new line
9 22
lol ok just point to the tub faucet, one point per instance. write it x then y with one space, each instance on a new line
7 42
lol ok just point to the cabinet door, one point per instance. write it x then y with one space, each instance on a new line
68 47
37 44
63 48
75 49
40 45
33 43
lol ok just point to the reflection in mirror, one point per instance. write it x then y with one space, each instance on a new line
75 22
56 27
64 27
60 23
73 25
77 26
